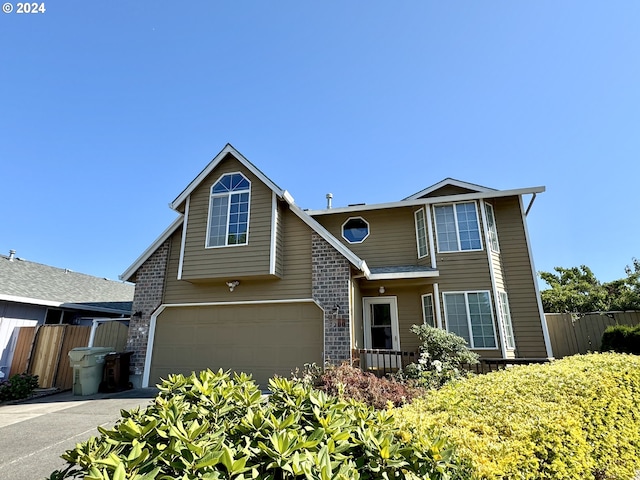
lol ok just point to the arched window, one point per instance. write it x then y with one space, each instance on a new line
229 211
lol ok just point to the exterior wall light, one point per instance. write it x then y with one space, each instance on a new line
233 284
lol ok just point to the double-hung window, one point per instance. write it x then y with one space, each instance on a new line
457 227
492 230
505 318
421 233
469 315
427 310
229 211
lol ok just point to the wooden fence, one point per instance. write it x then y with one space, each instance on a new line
572 334
44 350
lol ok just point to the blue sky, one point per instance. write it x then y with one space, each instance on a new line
109 109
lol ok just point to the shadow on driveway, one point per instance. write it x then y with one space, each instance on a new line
35 432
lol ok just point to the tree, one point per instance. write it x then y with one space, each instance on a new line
577 290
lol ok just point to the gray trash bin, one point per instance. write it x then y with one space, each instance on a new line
87 364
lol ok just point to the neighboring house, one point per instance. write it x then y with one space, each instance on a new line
244 279
35 294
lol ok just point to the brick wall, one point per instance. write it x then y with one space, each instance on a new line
330 277
147 297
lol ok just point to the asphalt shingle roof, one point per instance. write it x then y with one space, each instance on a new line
21 278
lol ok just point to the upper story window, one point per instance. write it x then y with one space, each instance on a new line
492 230
229 211
355 230
421 233
457 227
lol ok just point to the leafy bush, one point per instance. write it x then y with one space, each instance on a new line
442 357
212 426
621 339
18 386
575 418
348 382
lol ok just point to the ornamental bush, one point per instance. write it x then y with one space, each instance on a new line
621 339
214 426
18 386
575 418
442 358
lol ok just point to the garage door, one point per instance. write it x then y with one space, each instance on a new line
259 339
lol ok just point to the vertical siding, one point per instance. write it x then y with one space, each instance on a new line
241 260
516 267
295 281
392 236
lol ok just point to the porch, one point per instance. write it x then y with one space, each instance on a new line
383 362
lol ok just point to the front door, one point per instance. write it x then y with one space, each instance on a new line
381 323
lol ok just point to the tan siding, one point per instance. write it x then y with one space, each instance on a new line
241 260
449 190
392 236
518 277
295 283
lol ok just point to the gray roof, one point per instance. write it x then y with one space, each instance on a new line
31 282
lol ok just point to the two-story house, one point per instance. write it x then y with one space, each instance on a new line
244 279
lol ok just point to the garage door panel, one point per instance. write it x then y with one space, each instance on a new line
262 340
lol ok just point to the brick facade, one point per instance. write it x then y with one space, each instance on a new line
330 277
147 297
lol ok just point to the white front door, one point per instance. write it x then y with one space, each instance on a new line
381 323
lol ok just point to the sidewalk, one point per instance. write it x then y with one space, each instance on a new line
34 434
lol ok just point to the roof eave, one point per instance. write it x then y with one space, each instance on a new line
431 200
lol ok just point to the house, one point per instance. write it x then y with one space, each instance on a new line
34 294
244 279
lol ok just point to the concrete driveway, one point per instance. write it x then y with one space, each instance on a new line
34 434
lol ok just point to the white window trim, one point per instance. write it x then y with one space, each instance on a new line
228 194
424 316
355 218
503 318
366 319
488 228
466 301
455 215
418 233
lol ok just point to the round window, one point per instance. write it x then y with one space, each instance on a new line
355 230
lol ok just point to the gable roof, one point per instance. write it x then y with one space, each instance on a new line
282 194
37 284
228 149
449 182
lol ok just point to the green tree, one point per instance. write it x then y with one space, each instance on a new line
574 290
577 290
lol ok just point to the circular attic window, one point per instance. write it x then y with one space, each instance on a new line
355 230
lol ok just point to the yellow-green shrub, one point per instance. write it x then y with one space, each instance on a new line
575 418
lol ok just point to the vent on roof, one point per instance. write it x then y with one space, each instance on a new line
356 204
12 255
329 197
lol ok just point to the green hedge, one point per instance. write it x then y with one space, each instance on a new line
621 339
575 418
213 426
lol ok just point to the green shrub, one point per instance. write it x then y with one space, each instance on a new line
442 358
621 339
348 382
575 418
212 426
18 386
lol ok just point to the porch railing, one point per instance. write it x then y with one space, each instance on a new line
383 362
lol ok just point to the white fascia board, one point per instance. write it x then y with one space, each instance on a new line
53 303
450 181
128 273
30 301
213 164
324 233
430 201
402 275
